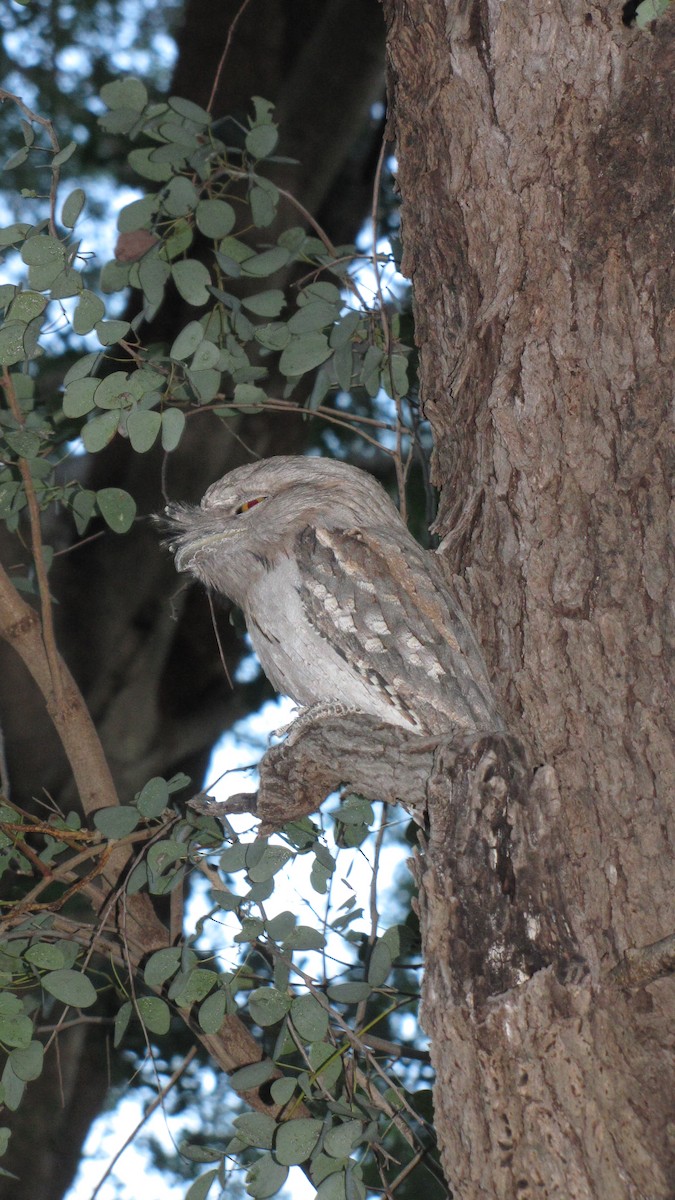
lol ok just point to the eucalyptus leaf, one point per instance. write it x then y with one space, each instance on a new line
201 1187
143 427
349 993
27 1062
162 965
266 263
89 310
63 155
304 353
125 93
99 431
310 1018
155 1014
212 1012
109 332
116 506
265 1177
252 1076
153 797
261 140
191 279
173 424
295 1140
313 316
267 1006
265 304
71 987
215 218
72 207
116 821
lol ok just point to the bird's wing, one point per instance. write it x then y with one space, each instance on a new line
380 600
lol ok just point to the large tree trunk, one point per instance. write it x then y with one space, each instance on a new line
534 142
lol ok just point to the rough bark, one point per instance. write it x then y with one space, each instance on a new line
534 145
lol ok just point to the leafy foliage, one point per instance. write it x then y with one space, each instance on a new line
263 301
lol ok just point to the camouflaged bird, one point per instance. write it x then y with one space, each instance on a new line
342 605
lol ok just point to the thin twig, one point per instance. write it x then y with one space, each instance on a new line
51 133
159 1099
226 51
38 552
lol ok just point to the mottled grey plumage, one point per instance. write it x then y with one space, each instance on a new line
341 603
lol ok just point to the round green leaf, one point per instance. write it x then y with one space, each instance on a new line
341 1140
155 1014
11 343
12 1088
206 355
116 391
267 262
304 937
247 395
265 1177
191 111
72 207
89 311
264 200
27 1063
117 821
214 218
332 1188
180 196
310 1018
313 316
212 1012
304 353
125 93
206 384
121 1022
143 163
137 215
274 336
256 1129
262 140
201 1187
173 424
79 397
46 956
252 1076
265 304
295 1140
99 431
191 279
116 506
109 332
42 251
349 993
16 1029
267 1006
187 341
153 797
191 987
283 1089
143 425
161 966
272 859
71 987
152 275
26 306
380 963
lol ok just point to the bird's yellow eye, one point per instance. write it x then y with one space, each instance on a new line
249 504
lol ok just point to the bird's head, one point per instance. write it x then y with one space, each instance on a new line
250 517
